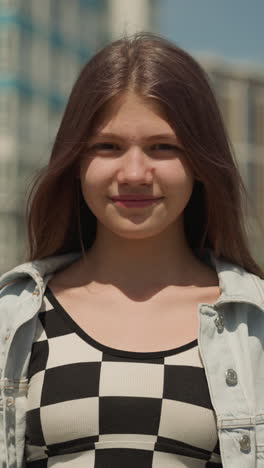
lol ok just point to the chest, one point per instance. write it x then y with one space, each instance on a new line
169 321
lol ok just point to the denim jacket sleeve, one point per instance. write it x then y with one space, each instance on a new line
13 370
21 294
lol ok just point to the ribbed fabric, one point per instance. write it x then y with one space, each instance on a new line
93 406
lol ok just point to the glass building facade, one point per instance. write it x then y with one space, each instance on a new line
239 89
43 45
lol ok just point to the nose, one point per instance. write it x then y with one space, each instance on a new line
135 168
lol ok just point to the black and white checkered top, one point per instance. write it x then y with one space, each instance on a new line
93 406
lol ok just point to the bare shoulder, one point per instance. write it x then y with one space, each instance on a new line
67 279
209 290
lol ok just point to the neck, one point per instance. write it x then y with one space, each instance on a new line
142 264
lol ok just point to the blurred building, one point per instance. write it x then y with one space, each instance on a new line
126 16
43 44
239 88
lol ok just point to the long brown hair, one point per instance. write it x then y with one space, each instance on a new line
58 219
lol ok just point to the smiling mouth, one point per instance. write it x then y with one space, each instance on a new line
136 203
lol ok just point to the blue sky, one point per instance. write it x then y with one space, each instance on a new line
233 29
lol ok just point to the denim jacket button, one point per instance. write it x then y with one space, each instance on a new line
231 377
244 442
219 323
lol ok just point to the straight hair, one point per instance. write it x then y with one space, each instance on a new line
57 217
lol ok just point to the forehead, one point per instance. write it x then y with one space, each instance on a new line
132 109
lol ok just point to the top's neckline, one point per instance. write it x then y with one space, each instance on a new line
107 349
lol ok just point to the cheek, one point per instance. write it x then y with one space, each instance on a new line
93 175
95 181
177 177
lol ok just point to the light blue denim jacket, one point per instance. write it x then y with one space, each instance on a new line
230 339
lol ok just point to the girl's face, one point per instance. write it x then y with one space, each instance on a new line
134 151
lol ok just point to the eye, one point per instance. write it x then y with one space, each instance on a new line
104 147
165 146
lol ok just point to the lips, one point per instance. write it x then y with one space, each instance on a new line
139 203
134 198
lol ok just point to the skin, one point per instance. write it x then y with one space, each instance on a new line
138 250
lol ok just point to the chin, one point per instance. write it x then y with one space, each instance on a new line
139 233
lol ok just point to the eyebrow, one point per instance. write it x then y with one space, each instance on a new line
152 137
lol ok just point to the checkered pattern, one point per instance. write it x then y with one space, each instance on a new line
94 406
